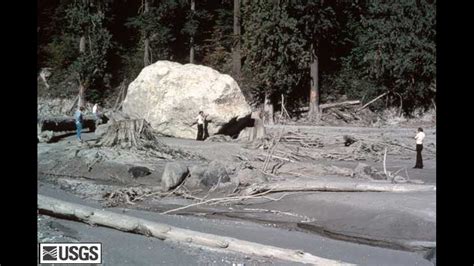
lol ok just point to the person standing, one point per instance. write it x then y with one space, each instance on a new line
95 112
200 120
95 109
419 147
78 116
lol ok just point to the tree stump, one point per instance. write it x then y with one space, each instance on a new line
128 133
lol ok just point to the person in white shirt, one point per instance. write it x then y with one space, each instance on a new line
97 117
419 147
94 109
200 121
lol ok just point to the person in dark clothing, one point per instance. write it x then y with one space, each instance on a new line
200 132
206 132
419 147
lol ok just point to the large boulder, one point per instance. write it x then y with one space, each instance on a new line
207 175
173 175
169 96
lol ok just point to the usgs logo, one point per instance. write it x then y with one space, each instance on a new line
70 253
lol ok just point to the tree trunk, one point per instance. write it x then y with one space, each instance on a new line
340 104
191 49
335 186
82 41
369 103
314 112
323 107
82 44
146 53
82 90
128 133
82 50
268 110
236 57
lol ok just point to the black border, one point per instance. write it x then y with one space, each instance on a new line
19 101
19 218
453 205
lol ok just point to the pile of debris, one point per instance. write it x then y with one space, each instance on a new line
334 114
124 196
297 146
198 181
301 139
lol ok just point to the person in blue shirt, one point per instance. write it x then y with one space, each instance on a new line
78 116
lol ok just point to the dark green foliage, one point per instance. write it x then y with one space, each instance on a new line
274 49
61 51
217 48
56 48
157 25
88 21
395 51
364 48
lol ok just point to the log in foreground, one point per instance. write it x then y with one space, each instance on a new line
126 223
334 186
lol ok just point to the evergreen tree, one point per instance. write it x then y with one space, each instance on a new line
395 53
274 49
86 22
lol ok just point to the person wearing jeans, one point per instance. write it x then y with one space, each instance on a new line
78 116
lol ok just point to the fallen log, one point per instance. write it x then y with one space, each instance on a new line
64 123
341 104
340 115
334 186
330 105
58 208
369 103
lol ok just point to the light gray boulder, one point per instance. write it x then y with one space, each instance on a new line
170 95
173 175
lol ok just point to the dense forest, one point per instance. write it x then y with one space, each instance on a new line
309 51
